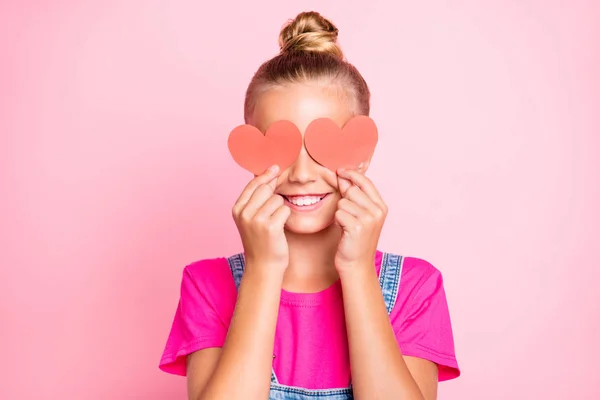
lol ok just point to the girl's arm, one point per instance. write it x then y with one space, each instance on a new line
379 371
242 368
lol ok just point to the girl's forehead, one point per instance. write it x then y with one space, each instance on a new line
300 104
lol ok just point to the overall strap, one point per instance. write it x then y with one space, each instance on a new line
236 265
389 278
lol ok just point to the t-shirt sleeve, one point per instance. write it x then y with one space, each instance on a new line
202 316
423 328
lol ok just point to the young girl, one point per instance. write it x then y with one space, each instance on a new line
311 309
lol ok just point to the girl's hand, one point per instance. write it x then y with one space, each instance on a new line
260 216
361 214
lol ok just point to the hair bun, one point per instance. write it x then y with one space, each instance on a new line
310 32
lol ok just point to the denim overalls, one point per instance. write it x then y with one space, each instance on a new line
389 280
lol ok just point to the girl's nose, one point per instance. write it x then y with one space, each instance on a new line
304 169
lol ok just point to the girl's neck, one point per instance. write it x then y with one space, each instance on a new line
311 266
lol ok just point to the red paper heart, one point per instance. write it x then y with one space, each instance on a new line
336 148
255 152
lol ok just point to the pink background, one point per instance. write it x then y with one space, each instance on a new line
115 173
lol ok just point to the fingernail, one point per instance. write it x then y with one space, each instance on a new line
361 165
274 168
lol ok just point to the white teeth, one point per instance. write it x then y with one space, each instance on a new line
304 201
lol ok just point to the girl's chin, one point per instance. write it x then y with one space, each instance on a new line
307 226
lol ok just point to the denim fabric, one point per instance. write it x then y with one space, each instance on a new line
389 280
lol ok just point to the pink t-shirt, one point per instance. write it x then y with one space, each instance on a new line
311 346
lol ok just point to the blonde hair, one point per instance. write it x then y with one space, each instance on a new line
309 52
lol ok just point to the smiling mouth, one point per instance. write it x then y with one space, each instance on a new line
306 200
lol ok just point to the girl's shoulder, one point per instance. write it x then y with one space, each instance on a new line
210 278
207 267
417 275
416 267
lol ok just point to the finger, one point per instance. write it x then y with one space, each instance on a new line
270 206
346 220
268 176
281 215
356 195
351 208
257 200
363 183
343 185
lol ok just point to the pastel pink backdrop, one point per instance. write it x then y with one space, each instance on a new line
115 174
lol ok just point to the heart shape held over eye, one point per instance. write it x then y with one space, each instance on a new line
255 151
334 147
